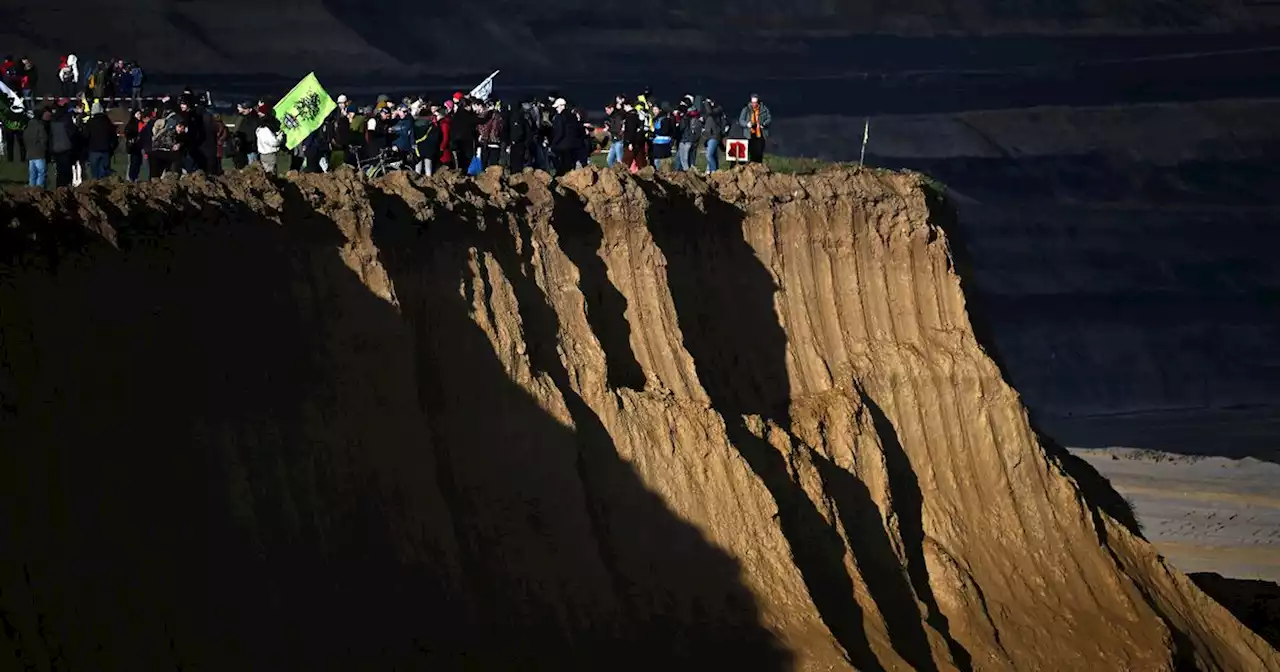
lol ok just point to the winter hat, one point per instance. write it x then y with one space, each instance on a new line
342 98
560 104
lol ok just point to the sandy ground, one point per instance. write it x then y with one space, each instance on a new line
1206 514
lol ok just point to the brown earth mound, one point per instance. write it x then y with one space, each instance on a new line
495 423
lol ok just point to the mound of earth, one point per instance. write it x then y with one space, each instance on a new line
614 422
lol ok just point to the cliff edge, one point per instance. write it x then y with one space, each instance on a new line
320 423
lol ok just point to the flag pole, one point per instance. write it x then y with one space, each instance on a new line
866 135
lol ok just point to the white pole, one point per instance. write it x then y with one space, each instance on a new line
866 135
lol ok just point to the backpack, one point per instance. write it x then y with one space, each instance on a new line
12 73
164 133
697 125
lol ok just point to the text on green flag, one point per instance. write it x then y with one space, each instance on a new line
303 110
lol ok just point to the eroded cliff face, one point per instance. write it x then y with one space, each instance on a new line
618 421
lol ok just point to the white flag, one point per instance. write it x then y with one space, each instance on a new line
485 89
15 101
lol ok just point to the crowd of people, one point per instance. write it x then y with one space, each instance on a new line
470 134
110 80
77 139
111 83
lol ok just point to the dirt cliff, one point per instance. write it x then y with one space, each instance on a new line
617 422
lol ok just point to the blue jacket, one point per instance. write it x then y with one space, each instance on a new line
137 77
664 130
404 136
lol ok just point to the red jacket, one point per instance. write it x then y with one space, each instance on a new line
446 155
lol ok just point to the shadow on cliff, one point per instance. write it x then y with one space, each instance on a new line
521 477
581 238
217 429
724 297
195 471
1256 603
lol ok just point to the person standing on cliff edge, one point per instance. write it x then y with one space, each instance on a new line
755 121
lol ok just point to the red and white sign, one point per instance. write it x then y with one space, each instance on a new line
735 150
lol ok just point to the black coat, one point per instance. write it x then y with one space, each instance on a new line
100 134
62 134
633 130
132 137
616 122
36 139
209 135
378 138
518 130
429 147
247 134
566 133
196 131
463 132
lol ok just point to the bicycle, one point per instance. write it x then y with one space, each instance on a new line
376 166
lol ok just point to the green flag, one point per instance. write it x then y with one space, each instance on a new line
303 110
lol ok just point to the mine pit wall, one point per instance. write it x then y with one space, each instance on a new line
493 421
1112 310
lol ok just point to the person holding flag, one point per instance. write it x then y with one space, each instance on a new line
484 89
303 110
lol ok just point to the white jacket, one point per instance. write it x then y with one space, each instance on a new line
268 140
73 68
